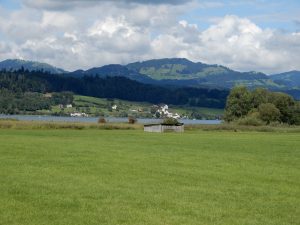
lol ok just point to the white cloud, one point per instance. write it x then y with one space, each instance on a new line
107 33
237 43
57 19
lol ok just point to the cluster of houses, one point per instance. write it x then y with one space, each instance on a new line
78 114
74 114
68 106
163 112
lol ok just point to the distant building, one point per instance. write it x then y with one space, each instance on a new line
163 112
176 116
160 128
69 106
114 107
48 95
77 114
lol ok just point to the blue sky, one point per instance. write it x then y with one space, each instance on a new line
277 14
10 4
245 35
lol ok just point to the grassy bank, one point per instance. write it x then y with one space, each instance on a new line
44 125
63 177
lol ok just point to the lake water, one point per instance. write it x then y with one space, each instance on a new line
95 119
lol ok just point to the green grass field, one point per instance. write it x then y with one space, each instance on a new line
68 177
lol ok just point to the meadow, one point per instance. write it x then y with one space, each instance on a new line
103 107
94 176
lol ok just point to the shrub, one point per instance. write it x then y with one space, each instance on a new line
101 120
132 120
295 114
272 106
277 124
268 112
250 120
170 121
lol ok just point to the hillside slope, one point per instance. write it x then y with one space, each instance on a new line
17 64
180 71
113 70
288 79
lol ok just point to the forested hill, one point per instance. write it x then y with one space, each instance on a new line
18 64
111 87
178 72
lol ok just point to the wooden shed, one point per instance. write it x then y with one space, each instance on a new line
160 128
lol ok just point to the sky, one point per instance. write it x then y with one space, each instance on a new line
245 35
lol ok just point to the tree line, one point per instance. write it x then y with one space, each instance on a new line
111 87
22 102
261 106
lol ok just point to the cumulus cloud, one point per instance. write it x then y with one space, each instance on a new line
84 38
240 44
234 42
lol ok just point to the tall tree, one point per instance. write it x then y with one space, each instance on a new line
238 103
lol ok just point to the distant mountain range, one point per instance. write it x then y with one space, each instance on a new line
289 79
17 64
174 71
113 70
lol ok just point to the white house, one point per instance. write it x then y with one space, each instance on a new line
165 112
77 114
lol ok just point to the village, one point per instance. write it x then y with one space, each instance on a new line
85 106
160 111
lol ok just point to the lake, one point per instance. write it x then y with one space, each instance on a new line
95 119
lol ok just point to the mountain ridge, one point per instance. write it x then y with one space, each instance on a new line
173 72
113 70
291 78
17 64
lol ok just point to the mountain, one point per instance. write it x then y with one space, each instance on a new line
113 70
178 72
17 64
182 72
289 79
173 68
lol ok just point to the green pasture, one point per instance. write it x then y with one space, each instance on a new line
76 177
103 107
127 106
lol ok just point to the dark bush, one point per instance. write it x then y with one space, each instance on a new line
170 121
268 112
132 120
101 120
250 120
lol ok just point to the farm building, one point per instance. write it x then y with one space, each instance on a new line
160 128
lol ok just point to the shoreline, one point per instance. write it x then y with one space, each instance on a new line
54 125
95 119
